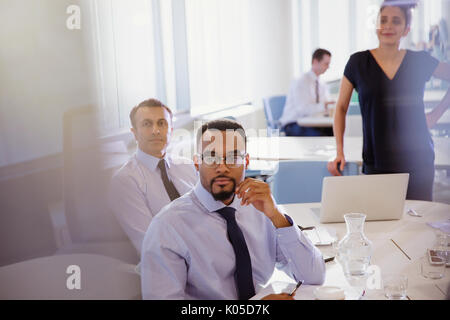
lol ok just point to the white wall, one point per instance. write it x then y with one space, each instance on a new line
43 73
271 47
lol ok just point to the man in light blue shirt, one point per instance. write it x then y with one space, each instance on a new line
223 239
151 178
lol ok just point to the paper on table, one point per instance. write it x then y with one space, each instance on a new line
441 225
305 292
320 236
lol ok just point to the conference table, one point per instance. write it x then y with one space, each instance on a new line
324 149
398 247
324 121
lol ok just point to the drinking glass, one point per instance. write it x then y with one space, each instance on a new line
435 270
395 286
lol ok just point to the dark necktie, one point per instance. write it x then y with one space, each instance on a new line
170 188
243 275
317 91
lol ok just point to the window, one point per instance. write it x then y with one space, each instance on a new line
238 51
348 26
132 62
217 37
202 55
334 34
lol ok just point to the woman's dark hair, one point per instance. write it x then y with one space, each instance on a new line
405 5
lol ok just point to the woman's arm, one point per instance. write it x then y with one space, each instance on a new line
345 93
442 72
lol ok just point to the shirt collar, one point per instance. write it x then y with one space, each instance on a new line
313 75
207 200
149 161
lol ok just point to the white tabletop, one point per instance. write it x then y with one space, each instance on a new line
321 120
434 95
324 149
445 119
317 120
398 247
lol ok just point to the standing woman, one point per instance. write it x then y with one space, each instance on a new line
390 83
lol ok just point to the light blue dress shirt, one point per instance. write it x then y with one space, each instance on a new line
137 192
186 253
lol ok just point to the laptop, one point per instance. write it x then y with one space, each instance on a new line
378 196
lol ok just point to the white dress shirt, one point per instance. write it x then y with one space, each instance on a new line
186 253
137 192
301 99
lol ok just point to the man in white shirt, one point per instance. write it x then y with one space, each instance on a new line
151 178
307 96
223 239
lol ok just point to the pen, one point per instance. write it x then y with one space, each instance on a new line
304 229
296 287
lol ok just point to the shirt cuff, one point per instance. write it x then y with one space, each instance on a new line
289 234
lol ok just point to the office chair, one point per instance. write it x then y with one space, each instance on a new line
92 227
301 181
273 109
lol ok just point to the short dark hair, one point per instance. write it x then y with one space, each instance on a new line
221 125
405 6
151 103
319 53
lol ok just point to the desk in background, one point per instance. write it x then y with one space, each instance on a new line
324 149
319 120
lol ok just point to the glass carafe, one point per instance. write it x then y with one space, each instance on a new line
354 250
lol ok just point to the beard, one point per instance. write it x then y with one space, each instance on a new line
223 194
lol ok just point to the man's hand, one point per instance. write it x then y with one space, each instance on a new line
280 296
257 193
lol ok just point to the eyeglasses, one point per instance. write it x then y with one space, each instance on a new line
232 160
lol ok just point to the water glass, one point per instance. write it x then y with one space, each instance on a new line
435 270
442 241
395 286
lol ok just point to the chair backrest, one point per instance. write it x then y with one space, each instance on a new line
301 181
273 108
87 172
86 180
57 277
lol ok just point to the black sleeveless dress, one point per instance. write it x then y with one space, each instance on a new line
395 134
